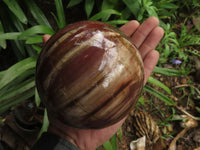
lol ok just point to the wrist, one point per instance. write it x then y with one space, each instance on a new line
60 133
78 137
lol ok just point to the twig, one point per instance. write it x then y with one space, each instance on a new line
187 85
188 114
191 123
173 143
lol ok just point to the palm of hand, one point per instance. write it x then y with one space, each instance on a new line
145 37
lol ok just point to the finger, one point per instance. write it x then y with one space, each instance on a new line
150 62
46 37
130 27
151 41
143 31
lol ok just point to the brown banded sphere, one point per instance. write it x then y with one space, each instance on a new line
89 75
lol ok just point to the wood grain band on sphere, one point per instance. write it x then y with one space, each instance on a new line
91 73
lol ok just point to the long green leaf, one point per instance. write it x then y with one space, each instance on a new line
3 41
60 13
37 13
159 84
152 11
39 29
120 133
107 145
126 13
169 72
37 98
2 74
17 70
37 48
114 142
9 36
16 45
89 5
45 124
56 19
18 89
5 105
19 49
106 4
14 20
35 39
168 5
134 6
117 22
17 81
73 3
159 95
101 14
16 9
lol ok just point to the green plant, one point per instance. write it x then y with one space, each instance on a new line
188 38
169 45
17 82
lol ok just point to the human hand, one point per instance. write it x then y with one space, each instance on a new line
145 37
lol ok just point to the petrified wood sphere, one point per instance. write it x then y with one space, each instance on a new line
89 75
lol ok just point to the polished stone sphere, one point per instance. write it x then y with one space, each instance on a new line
89 75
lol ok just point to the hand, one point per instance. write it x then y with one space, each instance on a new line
145 37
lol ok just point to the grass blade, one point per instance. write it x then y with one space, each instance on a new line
16 9
5 105
107 145
169 72
39 29
117 22
37 98
159 95
3 41
37 13
120 133
31 52
89 5
45 124
10 36
18 80
159 84
35 40
17 70
104 13
18 89
60 13
37 48
133 6
73 3
14 20
114 142
107 4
